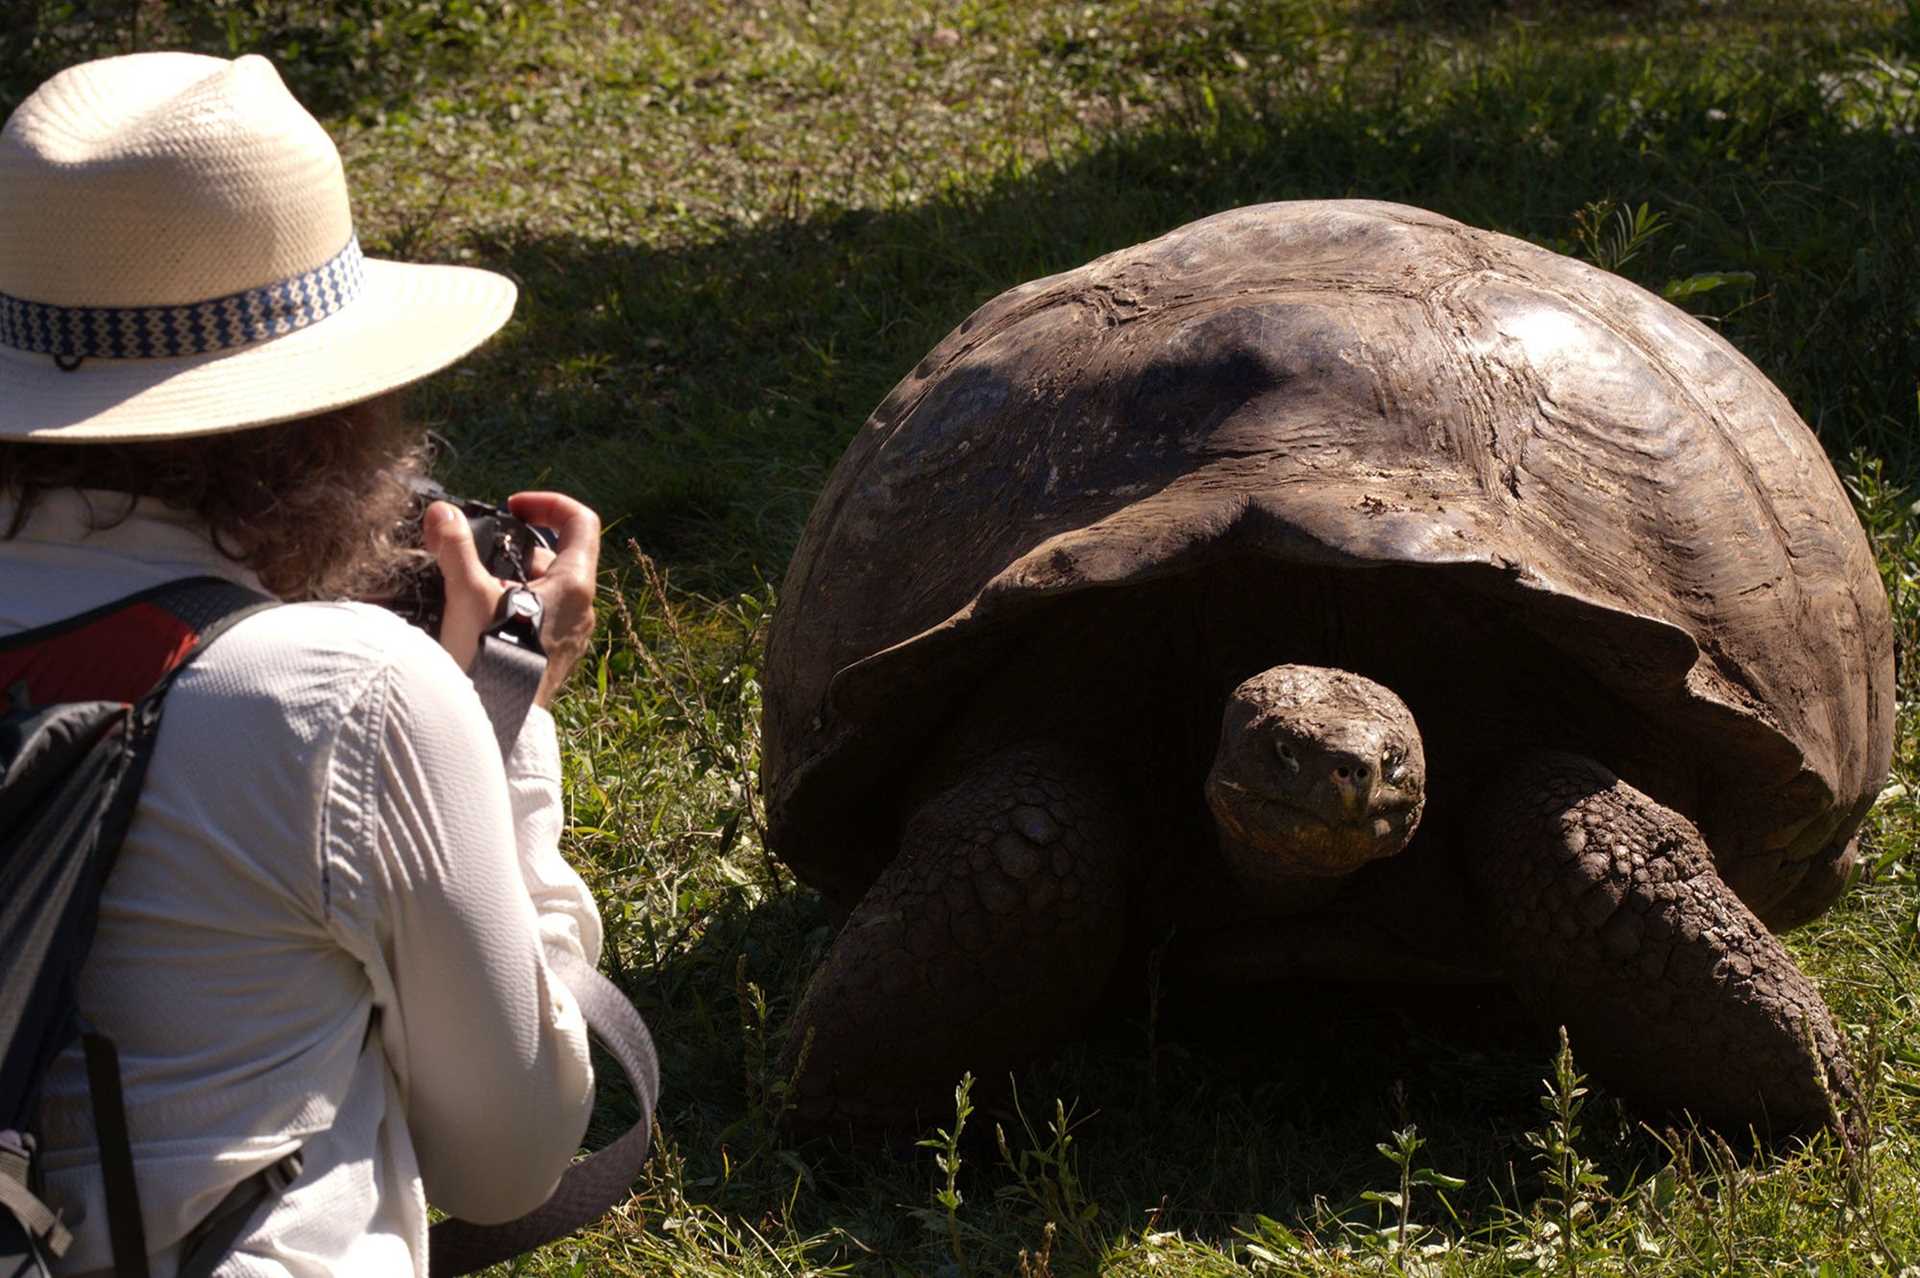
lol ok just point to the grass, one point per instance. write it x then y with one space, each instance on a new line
736 225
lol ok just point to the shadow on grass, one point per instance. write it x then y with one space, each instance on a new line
1254 1101
1590 17
700 393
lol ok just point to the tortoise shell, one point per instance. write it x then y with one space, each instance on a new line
1358 385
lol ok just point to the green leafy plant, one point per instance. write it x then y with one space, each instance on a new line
1402 1152
1611 234
1706 282
770 1095
1270 1245
945 1143
1047 1177
1571 1180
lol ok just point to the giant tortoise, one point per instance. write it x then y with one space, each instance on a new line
1342 592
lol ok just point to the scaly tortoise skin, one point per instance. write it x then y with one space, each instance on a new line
1168 595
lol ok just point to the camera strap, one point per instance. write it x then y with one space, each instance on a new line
593 1185
509 664
506 673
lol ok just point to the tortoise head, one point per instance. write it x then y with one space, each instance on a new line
1317 772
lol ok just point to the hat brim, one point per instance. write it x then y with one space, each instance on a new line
410 320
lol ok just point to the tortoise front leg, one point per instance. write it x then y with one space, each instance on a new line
1612 921
983 943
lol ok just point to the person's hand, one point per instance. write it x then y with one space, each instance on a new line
564 580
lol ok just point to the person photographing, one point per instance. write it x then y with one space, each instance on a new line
333 924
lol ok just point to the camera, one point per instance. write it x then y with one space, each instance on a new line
505 542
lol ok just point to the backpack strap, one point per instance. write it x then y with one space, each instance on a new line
207 607
214 1236
204 608
124 650
126 1229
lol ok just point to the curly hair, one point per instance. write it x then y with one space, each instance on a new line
319 507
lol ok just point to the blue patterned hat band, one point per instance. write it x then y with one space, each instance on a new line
195 328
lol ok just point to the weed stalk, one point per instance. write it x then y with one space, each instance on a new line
1039 1264
945 1143
1569 1175
1047 1178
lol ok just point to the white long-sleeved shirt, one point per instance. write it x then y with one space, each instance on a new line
325 930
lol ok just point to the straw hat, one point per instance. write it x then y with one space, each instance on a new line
177 257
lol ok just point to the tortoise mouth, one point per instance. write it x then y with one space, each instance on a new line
1267 833
1378 810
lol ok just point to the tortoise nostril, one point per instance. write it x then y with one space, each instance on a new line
1342 772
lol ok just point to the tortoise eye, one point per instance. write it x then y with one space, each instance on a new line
1287 755
1393 765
